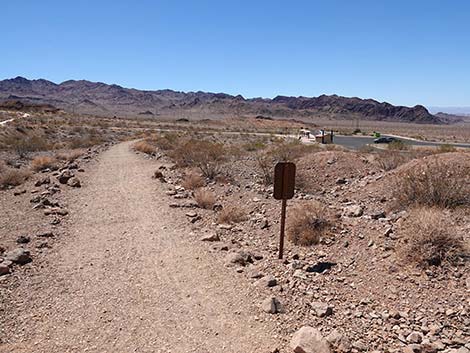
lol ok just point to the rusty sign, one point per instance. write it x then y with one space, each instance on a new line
284 185
284 180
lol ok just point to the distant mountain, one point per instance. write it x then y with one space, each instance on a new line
459 111
103 99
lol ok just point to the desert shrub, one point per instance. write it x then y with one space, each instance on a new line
446 148
166 141
12 177
206 155
87 140
266 166
23 144
434 184
430 239
291 151
144 147
70 156
204 198
397 145
231 214
390 159
307 222
254 145
192 181
43 162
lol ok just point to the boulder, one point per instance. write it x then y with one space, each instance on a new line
309 340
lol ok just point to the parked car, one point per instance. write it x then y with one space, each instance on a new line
386 140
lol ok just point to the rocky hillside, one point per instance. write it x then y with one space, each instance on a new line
103 99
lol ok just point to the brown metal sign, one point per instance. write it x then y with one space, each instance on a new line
284 185
284 181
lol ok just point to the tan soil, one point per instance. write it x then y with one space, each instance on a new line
128 278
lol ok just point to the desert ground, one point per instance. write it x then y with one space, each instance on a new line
144 235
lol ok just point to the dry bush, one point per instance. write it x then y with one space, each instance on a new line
434 184
204 198
90 139
144 147
193 181
12 176
430 239
206 155
70 156
390 159
398 145
23 144
266 166
446 148
291 151
166 141
43 162
231 214
307 222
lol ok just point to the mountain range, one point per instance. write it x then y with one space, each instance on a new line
102 99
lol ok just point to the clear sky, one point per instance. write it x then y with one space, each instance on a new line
402 51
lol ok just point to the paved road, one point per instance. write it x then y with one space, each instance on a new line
356 142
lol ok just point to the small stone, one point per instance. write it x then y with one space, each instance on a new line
354 211
46 235
210 237
74 182
267 281
19 192
4 269
191 214
42 181
415 337
65 176
309 340
22 239
19 256
321 309
272 305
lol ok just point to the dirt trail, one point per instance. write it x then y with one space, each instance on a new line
128 279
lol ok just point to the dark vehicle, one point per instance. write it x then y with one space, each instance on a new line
386 140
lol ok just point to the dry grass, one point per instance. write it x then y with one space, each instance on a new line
434 184
307 222
12 176
70 156
446 148
144 147
193 181
231 214
43 162
430 239
23 144
391 159
204 198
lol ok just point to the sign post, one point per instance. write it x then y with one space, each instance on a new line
284 185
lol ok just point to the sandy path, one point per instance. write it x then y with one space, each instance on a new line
128 279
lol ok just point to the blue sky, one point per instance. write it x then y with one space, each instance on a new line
405 52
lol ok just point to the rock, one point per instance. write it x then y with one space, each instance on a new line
42 181
264 223
359 345
46 235
354 211
4 269
22 239
415 337
339 341
191 214
254 273
460 350
309 340
341 181
74 182
56 211
267 281
64 176
19 256
272 305
377 215
412 348
210 237
235 258
19 192
321 309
